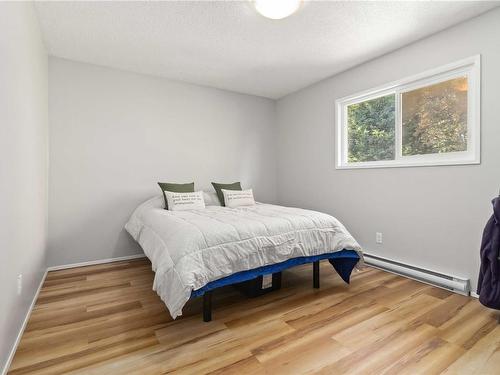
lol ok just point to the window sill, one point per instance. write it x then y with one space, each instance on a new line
407 164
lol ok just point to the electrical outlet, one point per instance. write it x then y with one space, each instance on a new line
19 284
378 237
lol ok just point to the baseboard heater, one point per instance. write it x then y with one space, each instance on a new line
452 283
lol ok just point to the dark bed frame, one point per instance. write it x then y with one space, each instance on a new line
207 297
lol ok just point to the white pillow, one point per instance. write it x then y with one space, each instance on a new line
185 201
237 198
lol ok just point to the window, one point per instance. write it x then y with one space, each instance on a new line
429 119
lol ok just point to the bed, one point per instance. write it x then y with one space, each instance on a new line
196 251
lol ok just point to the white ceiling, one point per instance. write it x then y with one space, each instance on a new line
229 46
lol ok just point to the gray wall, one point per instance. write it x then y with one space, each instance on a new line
429 216
114 134
23 166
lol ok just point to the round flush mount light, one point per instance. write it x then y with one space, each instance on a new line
276 9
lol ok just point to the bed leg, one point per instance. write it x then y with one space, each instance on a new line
316 274
207 306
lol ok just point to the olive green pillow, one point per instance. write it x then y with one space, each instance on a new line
175 188
218 189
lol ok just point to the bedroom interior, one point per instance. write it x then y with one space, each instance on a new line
250 187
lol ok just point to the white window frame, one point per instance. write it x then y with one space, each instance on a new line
469 67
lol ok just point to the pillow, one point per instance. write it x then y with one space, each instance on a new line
234 198
176 188
218 189
211 198
185 201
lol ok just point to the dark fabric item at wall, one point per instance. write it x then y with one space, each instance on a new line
489 276
218 189
175 188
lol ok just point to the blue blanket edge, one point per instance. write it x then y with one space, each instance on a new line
343 262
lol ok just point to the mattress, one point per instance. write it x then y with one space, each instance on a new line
189 249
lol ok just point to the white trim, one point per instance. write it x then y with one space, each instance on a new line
474 294
414 163
56 268
23 327
469 67
472 60
94 262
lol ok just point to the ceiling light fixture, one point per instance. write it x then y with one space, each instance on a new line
276 9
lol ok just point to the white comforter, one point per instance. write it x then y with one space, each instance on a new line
188 249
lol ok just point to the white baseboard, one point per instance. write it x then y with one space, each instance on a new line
94 262
35 297
474 294
23 327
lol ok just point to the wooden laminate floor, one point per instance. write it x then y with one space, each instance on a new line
105 319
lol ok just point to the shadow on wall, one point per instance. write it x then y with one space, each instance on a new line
14 316
93 233
125 242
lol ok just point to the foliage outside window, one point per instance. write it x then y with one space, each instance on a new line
431 119
435 118
371 132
